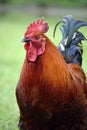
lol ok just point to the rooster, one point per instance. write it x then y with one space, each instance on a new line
71 45
51 94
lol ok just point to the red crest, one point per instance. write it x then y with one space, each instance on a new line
37 27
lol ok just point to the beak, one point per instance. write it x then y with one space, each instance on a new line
26 39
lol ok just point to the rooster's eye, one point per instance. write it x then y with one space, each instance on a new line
36 37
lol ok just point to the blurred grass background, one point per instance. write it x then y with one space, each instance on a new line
14 17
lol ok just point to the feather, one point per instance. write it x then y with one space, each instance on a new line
71 45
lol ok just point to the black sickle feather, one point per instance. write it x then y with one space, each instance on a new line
71 39
69 28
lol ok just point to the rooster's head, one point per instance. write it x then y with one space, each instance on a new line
34 39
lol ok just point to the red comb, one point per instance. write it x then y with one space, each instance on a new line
37 27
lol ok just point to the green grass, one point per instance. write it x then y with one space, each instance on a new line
12 53
11 58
